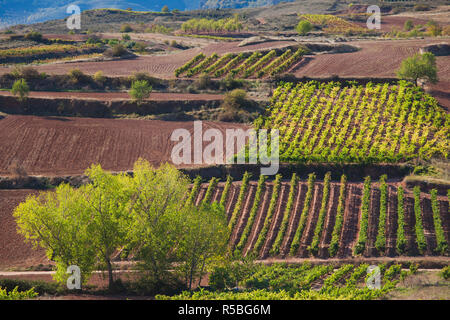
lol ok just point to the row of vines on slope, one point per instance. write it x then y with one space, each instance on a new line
241 65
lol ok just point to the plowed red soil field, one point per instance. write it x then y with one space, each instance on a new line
64 146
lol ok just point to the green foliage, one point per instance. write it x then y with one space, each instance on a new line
15 294
336 235
401 239
286 214
126 28
204 239
314 247
364 221
284 282
118 50
304 27
420 235
346 123
253 211
270 211
445 272
209 192
226 190
240 200
408 25
442 245
380 242
235 100
194 191
144 215
20 88
140 90
211 25
419 66
304 215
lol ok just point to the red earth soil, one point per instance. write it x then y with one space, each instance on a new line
110 96
64 146
15 253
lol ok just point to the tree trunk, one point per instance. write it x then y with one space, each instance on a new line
110 275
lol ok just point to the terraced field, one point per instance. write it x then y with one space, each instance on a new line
323 218
332 122
243 65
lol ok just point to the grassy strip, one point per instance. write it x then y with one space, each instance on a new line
286 214
380 243
337 275
302 223
205 63
226 190
189 64
420 234
260 63
442 245
314 247
253 212
240 201
209 192
334 245
401 239
218 63
364 223
194 191
268 221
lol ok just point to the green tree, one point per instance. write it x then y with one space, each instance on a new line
419 66
140 90
165 9
56 221
20 88
304 27
204 240
408 25
83 226
158 212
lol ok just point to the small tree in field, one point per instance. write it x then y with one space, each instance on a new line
304 27
419 66
20 88
140 90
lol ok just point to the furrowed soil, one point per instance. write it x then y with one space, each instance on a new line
64 146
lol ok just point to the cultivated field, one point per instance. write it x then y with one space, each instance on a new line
63 146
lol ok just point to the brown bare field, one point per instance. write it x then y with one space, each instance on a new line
110 96
63 146
13 250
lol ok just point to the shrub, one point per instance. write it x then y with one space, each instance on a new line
126 28
99 77
165 9
126 37
235 100
445 272
408 25
34 35
304 27
418 67
118 50
140 90
27 73
77 76
20 88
